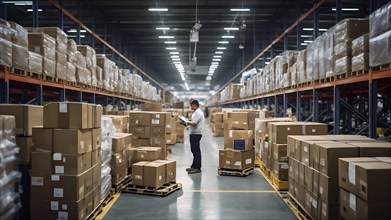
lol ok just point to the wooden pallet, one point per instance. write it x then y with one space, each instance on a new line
117 188
279 185
17 71
305 84
359 72
48 78
341 76
262 166
232 172
296 207
164 190
99 209
327 79
383 67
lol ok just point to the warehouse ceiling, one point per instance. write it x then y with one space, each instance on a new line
130 26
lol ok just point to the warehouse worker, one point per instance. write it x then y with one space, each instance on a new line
196 124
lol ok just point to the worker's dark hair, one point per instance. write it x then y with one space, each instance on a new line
194 102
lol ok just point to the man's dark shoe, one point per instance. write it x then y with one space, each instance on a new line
189 169
194 170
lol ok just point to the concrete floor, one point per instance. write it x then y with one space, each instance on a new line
205 195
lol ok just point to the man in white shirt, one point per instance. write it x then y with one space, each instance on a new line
196 124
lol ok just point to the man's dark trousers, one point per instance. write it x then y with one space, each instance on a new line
195 149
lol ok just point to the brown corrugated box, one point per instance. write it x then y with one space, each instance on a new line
72 141
41 163
152 106
25 148
280 152
97 115
70 164
121 141
41 187
68 187
141 131
158 132
146 154
97 195
373 149
264 126
309 178
58 210
158 119
42 139
139 119
280 170
121 122
119 169
328 189
330 153
68 115
26 117
96 138
87 161
234 159
96 174
154 174
170 166
244 135
138 173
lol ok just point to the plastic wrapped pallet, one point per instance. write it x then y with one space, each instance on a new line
94 79
81 60
293 72
35 63
350 28
343 49
19 36
379 49
329 52
71 46
322 56
5 52
20 57
61 58
309 61
61 71
360 45
48 67
90 55
107 131
360 62
301 66
380 21
42 44
106 64
59 36
99 75
83 75
10 177
343 65
315 58
5 30
71 72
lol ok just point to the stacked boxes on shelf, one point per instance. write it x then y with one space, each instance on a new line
171 127
86 65
277 161
364 186
66 162
217 124
258 139
238 152
360 53
122 142
43 47
313 168
10 177
380 36
149 130
26 117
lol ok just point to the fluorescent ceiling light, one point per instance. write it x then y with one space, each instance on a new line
174 52
304 44
187 86
170 48
346 9
306 35
75 31
308 41
174 56
267 63
18 2
223 42
162 28
240 9
183 77
170 42
81 36
215 63
311 29
216 59
158 9
176 62
176 59
221 48
208 78
216 56
231 29
30 9
166 37
228 37
219 52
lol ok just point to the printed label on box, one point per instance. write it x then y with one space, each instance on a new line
285 166
314 203
81 190
57 156
155 121
322 161
55 178
352 201
305 149
59 169
288 128
64 207
248 161
63 108
321 190
238 163
157 116
63 215
137 122
230 134
36 181
160 177
58 192
138 177
54 206
81 144
227 162
352 173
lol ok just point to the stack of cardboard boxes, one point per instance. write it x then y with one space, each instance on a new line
313 168
238 150
149 171
278 152
66 163
121 122
26 117
180 129
217 124
263 114
171 127
119 164
364 186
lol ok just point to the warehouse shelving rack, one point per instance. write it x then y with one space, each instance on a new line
20 89
356 104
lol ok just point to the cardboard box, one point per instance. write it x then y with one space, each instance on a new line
66 115
69 164
264 126
171 138
121 141
152 106
141 132
138 173
58 209
88 181
329 155
280 152
97 115
328 211
347 177
279 131
234 159
301 173
292 168
118 172
26 117
42 139
68 187
41 163
328 189
40 187
170 166
308 200
38 207
158 119
217 117
280 170
89 203
315 206
240 140
87 161
154 174
139 119
291 188
309 177
25 148
316 181
96 174
238 125
97 196
96 157
158 132
96 138
373 149
72 141
121 122
141 142
353 207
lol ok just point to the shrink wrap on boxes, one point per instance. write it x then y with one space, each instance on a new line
379 49
19 35
35 63
5 52
71 72
48 67
20 56
360 45
380 21
360 62
42 44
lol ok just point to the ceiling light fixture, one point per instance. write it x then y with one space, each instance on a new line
241 46
304 44
216 56
231 29
216 59
240 9
187 86
158 9
30 9
223 42
228 37
174 56
170 42
75 31
219 52
221 48
174 52
208 78
311 29
166 37
176 62
170 48
306 36
346 9
176 59
162 28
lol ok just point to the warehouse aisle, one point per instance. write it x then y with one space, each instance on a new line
205 195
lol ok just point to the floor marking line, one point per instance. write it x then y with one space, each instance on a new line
266 178
108 207
232 191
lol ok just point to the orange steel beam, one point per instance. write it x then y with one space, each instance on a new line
70 15
304 16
